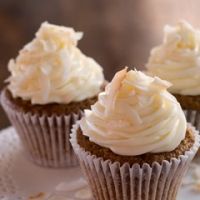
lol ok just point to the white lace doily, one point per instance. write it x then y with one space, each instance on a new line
22 180
9 144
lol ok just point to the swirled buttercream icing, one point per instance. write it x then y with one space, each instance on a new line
135 115
178 59
51 68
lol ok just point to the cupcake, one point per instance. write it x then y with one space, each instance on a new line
51 83
134 143
177 60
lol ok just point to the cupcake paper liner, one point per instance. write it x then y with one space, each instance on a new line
193 116
45 138
110 180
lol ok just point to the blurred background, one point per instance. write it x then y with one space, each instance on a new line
116 33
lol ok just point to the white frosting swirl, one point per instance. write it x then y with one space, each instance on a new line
52 69
135 115
178 59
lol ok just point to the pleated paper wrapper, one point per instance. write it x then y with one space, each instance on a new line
112 181
193 116
45 138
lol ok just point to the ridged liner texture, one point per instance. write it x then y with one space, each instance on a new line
45 138
193 116
112 181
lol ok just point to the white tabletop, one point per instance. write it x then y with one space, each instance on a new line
21 180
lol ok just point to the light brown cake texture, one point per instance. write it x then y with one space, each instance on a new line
52 108
149 158
188 102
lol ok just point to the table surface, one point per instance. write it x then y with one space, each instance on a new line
21 179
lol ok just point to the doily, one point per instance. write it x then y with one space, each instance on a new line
22 180
9 144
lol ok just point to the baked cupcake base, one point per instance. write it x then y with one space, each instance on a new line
111 180
44 130
189 102
191 107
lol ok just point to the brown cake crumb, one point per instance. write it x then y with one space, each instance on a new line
51 108
188 102
38 196
149 158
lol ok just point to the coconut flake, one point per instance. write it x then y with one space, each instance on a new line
114 87
84 194
75 185
39 196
